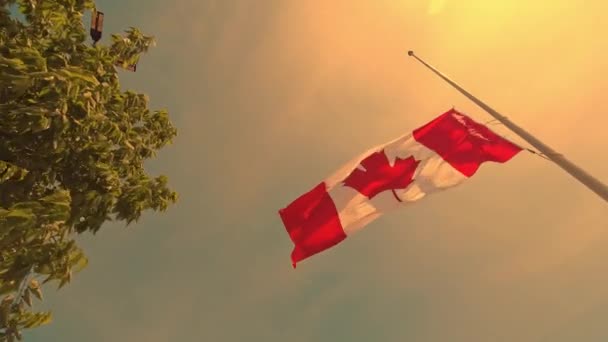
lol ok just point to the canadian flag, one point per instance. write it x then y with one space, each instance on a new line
439 155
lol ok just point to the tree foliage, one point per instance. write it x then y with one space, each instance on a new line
72 147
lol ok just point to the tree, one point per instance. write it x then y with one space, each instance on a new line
72 147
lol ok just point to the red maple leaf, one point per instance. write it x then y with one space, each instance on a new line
380 176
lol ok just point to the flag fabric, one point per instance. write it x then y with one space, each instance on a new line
439 155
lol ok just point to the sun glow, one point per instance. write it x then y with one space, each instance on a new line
436 6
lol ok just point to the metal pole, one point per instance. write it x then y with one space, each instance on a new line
588 180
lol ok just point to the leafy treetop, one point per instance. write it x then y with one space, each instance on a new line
72 146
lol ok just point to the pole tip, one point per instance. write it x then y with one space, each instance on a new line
410 53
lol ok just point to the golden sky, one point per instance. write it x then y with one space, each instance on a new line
271 96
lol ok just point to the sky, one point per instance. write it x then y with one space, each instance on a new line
270 96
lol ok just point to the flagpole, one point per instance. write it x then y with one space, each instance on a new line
581 175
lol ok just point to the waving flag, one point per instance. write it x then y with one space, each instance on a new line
439 155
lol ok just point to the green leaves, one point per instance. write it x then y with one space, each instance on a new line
9 171
34 288
14 318
128 48
75 75
72 148
144 193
